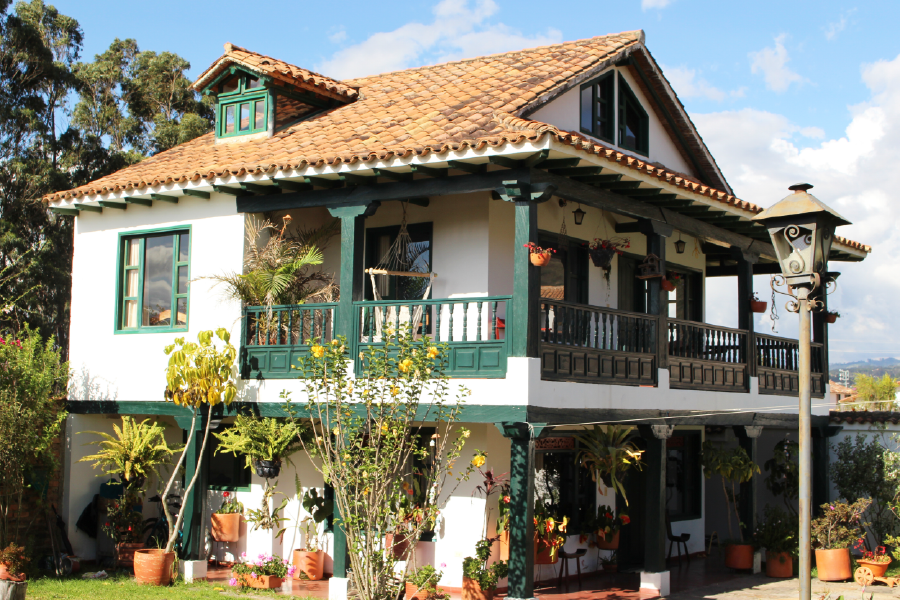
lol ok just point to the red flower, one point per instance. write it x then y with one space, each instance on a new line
609 516
506 499
225 495
625 519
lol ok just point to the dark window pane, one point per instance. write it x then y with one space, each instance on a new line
158 261
605 108
253 82
184 247
182 311
260 118
632 126
226 470
229 119
182 280
230 86
587 101
245 116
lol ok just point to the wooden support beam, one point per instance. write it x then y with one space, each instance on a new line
700 210
577 171
505 161
732 270
536 159
641 192
164 198
423 202
647 227
603 179
354 179
324 182
88 208
69 212
195 193
678 205
467 167
224 189
393 175
430 171
255 188
291 186
116 205
560 163
618 185
138 201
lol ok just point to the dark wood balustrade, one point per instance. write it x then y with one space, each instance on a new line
777 363
707 357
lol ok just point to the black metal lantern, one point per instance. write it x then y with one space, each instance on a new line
679 245
802 231
579 215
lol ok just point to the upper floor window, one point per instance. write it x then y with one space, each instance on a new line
633 121
153 281
597 102
243 106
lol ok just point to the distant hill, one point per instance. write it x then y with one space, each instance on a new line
875 367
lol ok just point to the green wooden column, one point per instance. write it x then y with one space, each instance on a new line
339 546
655 496
191 541
521 509
748 494
526 282
353 235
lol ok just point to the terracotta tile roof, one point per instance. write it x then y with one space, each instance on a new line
276 69
840 388
864 416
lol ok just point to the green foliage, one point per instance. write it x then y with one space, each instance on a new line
476 567
608 454
261 439
777 531
874 393
840 524
733 466
32 393
123 522
319 509
230 506
271 565
14 558
267 516
425 579
783 477
133 453
369 443
859 471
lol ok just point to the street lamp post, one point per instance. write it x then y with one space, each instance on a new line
802 231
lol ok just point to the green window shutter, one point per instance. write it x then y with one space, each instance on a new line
245 109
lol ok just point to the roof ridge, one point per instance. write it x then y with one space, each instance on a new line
639 38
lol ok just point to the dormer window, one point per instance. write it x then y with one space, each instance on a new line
614 115
597 102
243 106
633 121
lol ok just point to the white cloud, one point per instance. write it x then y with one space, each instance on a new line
772 63
833 29
460 29
648 4
687 84
762 153
338 35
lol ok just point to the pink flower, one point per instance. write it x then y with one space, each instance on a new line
232 582
291 570
253 574
243 555
443 565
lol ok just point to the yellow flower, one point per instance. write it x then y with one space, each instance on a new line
395 390
318 351
466 433
432 352
478 461
335 342
405 364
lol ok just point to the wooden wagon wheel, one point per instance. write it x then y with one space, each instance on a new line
864 576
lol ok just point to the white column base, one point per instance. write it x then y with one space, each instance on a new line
192 570
337 588
659 582
757 562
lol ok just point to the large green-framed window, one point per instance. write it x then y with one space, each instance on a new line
634 124
154 272
597 108
243 106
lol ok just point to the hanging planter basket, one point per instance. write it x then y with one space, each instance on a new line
830 318
758 306
540 259
267 468
602 257
667 285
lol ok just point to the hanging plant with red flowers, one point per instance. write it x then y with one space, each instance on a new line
539 256
602 251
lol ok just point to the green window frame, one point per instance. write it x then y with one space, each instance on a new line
244 110
132 272
633 122
597 108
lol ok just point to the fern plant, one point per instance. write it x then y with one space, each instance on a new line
261 439
133 453
608 454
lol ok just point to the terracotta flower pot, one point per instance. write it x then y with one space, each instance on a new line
5 575
544 553
125 554
779 564
878 569
399 543
610 568
833 565
830 318
504 545
472 591
758 306
540 259
261 582
153 566
311 563
739 556
667 285
608 544
226 528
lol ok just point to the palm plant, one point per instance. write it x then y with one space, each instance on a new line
609 454
134 452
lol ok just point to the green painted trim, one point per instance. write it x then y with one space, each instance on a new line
164 198
117 205
430 171
88 208
526 282
521 510
244 96
120 280
624 96
196 193
138 201
232 191
70 212
228 488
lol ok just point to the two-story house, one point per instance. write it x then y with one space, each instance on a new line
559 146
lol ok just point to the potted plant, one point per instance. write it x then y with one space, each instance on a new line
421 584
539 256
837 528
608 453
607 527
12 577
310 561
610 563
831 316
877 561
669 282
266 572
735 467
264 443
549 535
226 521
124 525
479 580
757 305
503 521
602 251
777 533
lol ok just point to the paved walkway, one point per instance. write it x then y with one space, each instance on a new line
760 587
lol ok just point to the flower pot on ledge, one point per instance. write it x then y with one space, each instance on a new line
310 563
262 582
779 564
739 556
833 565
226 528
472 591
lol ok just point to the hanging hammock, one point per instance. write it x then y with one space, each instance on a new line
400 261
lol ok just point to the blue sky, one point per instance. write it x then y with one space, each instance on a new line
781 92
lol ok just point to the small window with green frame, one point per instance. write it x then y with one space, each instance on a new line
597 107
154 272
243 106
227 472
634 124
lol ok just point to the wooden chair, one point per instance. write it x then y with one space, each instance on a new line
677 540
564 564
